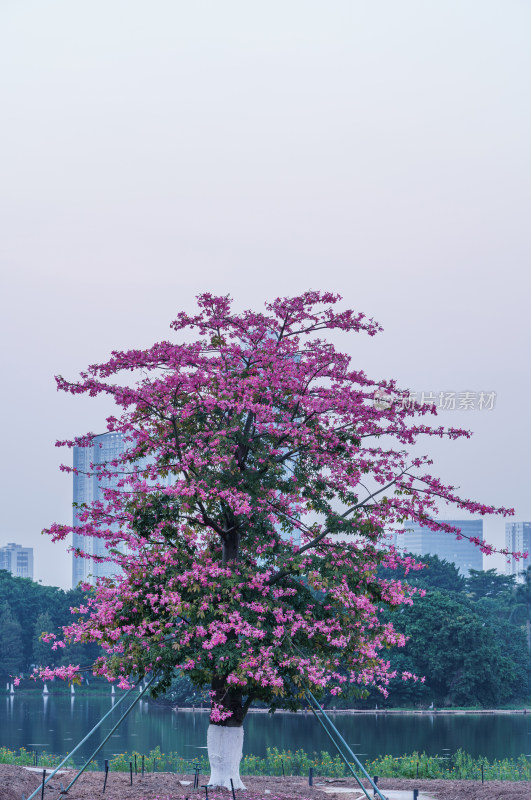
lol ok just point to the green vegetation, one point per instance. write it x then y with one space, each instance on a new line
20 628
26 758
467 636
460 766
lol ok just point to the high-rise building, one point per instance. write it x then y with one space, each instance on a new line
518 540
88 488
464 554
17 560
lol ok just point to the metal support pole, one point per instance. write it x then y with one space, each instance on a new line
345 745
97 750
343 756
89 734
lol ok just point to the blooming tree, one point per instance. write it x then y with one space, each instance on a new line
250 512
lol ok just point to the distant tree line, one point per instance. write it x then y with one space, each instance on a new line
28 609
469 637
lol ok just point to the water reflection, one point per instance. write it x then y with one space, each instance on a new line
62 721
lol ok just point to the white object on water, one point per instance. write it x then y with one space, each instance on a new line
72 690
12 689
112 690
45 690
225 748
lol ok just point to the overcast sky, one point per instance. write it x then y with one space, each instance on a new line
151 151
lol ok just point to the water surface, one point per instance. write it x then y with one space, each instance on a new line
57 723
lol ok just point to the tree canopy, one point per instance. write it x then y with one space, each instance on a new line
488 583
248 524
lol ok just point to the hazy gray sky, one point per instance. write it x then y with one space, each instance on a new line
151 151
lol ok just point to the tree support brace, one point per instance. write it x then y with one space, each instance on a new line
97 750
89 734
341 745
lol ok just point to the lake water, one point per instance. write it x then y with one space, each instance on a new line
57 723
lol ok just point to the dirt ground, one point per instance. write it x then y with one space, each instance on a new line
17 781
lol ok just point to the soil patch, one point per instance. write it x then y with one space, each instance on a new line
17 781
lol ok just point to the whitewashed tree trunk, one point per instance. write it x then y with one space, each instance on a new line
225 746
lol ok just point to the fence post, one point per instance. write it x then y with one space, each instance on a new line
310 777
106 774
131 771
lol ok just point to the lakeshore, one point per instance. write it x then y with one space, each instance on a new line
380 711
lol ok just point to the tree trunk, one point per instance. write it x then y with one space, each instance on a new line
230 547
225 739
225 746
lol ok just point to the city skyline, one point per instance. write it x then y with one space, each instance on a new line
421 541
89 487
518 539
17 559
